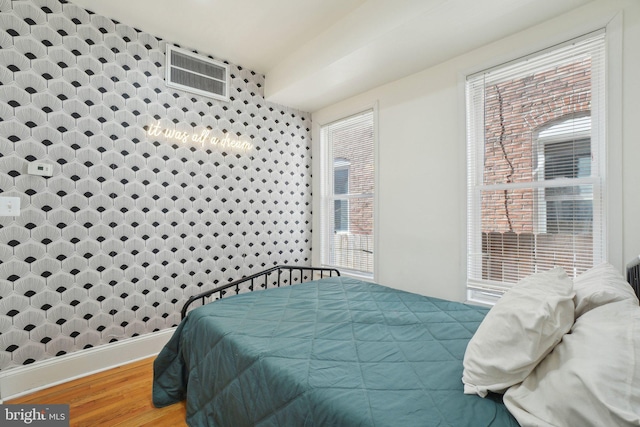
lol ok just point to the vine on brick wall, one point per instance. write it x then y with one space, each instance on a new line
504 154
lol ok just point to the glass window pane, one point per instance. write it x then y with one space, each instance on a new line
567 159
341 215
341 180
570 216
347 210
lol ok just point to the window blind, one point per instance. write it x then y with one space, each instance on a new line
346 215
535 156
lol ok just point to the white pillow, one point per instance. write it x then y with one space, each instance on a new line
592 378
518 332
600 285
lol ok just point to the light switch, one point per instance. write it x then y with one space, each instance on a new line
9 206
40 168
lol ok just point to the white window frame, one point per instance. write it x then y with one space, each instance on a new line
483 292
326 155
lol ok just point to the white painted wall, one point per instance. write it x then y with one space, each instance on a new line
421 218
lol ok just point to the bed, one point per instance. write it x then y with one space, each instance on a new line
335 351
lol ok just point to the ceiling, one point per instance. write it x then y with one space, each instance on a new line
314 53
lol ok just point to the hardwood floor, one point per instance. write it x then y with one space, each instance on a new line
117 397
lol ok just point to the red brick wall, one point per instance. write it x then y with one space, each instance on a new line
515 111
361 179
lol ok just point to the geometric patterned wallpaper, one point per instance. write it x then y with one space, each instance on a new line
129 225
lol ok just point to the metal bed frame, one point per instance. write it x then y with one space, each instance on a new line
280 269
633 275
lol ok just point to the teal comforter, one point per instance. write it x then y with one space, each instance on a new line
333 352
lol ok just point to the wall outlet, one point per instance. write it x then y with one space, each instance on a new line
9 206
40 168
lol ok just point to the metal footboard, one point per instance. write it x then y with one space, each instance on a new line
633 275
286 275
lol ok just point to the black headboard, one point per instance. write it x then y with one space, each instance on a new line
633 275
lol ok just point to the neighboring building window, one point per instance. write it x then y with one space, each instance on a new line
348 194
535 150
564 149
341 188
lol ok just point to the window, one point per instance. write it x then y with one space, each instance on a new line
346 215
565 153
535 146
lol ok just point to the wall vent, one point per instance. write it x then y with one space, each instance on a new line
198 74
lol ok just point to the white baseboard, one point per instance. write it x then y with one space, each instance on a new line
16 382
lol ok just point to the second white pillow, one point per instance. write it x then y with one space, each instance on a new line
601 285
